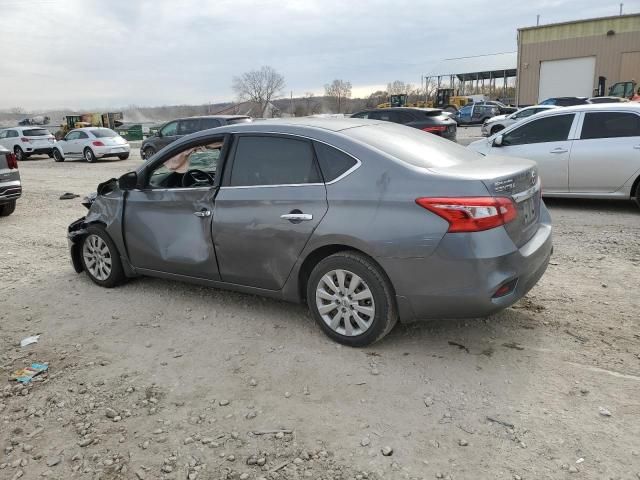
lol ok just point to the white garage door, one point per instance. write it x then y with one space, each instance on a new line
572 77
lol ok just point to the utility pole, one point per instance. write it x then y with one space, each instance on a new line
621 5
291 103
537 20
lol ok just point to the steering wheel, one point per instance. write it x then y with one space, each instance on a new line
197 177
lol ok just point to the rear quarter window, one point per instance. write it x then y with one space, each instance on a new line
333 162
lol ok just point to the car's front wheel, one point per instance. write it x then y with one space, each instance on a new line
7 209
124 156
351 299
57 155
100 258
89 156
148 153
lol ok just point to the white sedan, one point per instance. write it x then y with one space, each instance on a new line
91 143
587 151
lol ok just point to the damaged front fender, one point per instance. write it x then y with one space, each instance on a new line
76 232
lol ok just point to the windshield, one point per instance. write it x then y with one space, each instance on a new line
36 132
104 133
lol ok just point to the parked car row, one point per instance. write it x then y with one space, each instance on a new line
431 120
90 143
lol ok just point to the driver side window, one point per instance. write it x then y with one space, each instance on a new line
191 168
169 129
548 129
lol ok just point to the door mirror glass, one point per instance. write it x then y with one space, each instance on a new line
128 181
497 142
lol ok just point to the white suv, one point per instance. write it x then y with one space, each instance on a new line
27 141
91 143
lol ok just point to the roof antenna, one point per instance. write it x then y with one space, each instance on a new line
538 19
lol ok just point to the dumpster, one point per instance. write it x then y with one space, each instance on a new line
130 132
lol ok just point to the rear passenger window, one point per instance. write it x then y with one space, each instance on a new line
207 123
185 127
610 124
264 160
333 162
401 117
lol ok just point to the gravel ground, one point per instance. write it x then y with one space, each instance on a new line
158 379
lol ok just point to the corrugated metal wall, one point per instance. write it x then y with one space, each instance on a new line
571 40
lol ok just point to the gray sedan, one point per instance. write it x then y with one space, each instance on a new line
367 222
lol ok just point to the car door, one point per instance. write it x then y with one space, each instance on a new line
547 141
168 134
69 144
81 143
168 219
272 199
607 152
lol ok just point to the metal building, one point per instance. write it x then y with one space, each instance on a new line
568 59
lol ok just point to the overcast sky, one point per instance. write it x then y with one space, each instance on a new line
110 53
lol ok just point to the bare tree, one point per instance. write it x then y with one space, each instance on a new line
376 98
338 90
259 86
311 106
17 110
397 87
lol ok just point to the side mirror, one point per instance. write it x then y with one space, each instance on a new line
497 142
128 181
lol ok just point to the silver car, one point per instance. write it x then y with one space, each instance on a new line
367 222
587 151
10 185
500 122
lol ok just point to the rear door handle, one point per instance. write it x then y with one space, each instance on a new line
559 150
297 217
203 213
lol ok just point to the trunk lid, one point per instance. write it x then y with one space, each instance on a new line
507 177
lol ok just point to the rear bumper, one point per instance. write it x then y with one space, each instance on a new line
10 190
462 276
111 151
39 150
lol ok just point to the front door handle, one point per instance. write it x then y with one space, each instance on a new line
559 150
203 213
297 217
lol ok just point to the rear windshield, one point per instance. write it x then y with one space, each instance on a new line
231 121
103 133
433 113
36 132
413 146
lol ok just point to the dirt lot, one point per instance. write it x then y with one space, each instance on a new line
157 379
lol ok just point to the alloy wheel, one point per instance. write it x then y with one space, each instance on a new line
345 302
97 257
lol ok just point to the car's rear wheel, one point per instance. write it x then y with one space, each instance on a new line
351 299
89 156
637 197
57 155
100 258
496 129
7 209
19 153
123 157
148 153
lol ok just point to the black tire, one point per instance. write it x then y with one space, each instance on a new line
123 157
637 197
7 209
50 154
149 152
88 155
116 274
385 313
57 155
496 129
19 153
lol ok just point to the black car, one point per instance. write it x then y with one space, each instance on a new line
431 120
565 101
173 130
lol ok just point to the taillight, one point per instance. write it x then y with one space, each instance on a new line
12 162
471 214
25 139
98 143
435 129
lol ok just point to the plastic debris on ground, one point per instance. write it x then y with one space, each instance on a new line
29 340
24 375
